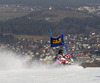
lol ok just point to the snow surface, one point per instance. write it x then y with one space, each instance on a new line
14 70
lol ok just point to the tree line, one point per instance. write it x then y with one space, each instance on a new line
41 27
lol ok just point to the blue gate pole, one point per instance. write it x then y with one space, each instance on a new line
63 40
50 46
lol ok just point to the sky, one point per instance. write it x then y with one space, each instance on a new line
14 70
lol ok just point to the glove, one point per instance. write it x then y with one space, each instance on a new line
72 60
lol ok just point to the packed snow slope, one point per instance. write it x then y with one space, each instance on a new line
14 70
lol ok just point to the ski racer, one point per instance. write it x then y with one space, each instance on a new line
63 58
